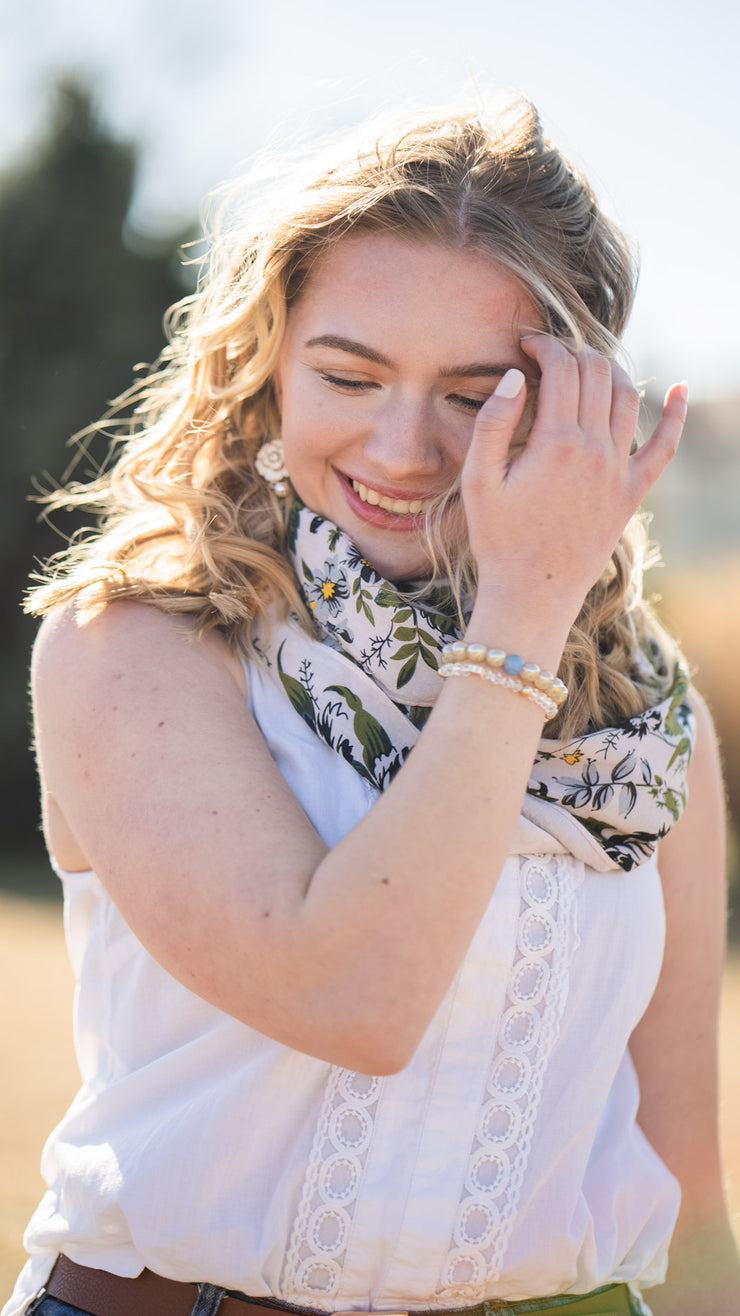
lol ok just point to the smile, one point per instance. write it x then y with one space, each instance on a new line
399 506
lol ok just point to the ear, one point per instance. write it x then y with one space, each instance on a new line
277 388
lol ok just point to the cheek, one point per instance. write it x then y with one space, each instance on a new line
303 408
307 447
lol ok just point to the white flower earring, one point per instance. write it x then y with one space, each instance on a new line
270 464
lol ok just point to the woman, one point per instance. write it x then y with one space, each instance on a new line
353 1021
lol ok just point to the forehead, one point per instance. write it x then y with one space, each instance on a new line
388 285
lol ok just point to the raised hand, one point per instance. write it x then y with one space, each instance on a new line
548 518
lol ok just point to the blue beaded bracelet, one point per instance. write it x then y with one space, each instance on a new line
458 651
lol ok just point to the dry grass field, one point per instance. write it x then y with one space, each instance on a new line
40 1075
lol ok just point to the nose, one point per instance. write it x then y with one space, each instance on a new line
404 442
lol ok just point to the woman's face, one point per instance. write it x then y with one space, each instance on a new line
389 353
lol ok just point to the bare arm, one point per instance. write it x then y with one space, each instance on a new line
147 748
675 1046
150 757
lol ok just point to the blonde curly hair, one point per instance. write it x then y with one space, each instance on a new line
187 524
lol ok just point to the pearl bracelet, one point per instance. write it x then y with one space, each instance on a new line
529 675
497 677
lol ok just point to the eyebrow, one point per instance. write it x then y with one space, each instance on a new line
349 345
475 369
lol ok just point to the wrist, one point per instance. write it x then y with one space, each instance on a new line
538 636
507 670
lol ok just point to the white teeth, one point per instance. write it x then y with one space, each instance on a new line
399 506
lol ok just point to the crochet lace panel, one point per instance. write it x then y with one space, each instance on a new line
536 992
313 1264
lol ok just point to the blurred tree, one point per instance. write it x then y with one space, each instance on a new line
77 310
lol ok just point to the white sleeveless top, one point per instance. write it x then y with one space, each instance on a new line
503 1162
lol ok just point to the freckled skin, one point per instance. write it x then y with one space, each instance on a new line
404 428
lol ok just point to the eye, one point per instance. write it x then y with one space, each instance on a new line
467 403
347 384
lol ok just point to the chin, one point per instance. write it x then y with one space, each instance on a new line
395 566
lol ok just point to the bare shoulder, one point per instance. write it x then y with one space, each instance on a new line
698 838
69 651
706 754
119 702
692 862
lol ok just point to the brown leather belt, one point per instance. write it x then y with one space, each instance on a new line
101 1294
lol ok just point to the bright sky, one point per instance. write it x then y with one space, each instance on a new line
644 94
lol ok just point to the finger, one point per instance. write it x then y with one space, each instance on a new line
625 409
498 419
559 383
652 458
595 400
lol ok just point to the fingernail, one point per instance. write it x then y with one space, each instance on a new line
682 390
511 384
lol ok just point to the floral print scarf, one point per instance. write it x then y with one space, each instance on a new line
367 686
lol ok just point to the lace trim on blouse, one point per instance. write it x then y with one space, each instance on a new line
318 1244
536 992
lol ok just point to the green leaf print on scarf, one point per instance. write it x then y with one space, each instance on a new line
375 741
299 695
625 785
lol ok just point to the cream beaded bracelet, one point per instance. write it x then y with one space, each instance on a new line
505 669
538 697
